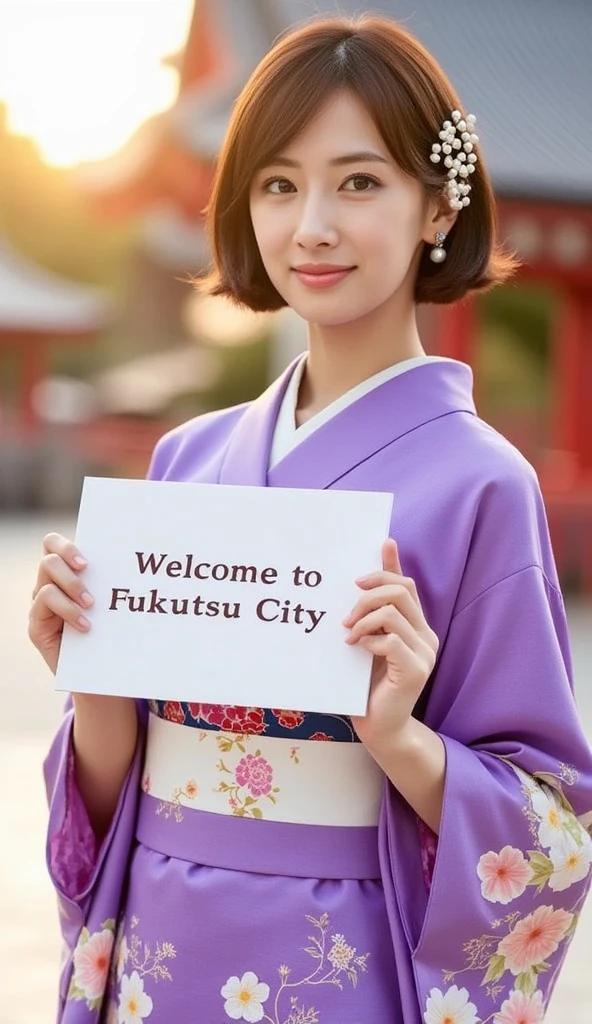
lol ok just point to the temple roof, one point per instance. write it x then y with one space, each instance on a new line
33 299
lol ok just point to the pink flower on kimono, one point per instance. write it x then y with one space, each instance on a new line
230 718
320 736
244 997
450 1007
504 875
534 938
288 719
173 712
521 1009
255 773
91 964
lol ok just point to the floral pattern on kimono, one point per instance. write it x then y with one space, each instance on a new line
244 997
520 946
134 962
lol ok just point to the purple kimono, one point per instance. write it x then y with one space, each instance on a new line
222 895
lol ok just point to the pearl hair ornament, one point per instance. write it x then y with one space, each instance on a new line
456 149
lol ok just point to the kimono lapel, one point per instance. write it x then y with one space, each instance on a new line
374 421
247 456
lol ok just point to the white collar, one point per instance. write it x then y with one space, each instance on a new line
287 435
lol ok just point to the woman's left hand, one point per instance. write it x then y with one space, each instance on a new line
388 621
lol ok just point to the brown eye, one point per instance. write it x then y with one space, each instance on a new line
361 183
278 186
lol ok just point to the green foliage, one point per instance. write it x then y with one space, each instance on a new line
244 376
525 312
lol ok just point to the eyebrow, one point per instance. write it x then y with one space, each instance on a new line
362 157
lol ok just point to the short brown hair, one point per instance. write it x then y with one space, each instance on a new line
408 96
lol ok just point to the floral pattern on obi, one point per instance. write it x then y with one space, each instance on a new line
509 960
249 775
257 721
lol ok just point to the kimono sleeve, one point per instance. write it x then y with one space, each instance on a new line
94 906
513 863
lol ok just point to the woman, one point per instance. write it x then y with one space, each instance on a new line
433 856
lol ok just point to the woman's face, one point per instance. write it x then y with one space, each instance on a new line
338 224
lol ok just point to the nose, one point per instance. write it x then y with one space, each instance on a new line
315 225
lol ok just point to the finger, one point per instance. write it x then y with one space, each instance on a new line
51 602
389 594
393 649
55 543
386 619
53 569
383 578
390 557
396 652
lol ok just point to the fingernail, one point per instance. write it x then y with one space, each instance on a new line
87 599
79 560
83 622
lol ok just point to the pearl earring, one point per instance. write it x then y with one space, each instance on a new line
438 254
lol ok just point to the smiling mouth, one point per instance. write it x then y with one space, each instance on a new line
322 268
321 277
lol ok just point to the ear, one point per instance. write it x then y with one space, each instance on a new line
438 217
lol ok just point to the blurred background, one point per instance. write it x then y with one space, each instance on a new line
112 113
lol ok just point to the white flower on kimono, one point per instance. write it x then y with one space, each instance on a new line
134 1004
534 938
504 875
553 815
122 957
450 1007
570 866
91 964
521 1009
244 997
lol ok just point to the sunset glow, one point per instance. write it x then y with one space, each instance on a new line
80 76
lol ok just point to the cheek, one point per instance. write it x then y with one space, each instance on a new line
390 233
267 229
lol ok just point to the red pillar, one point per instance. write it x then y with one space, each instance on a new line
31 361
569 398
584 402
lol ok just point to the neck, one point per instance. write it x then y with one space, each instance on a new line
341 357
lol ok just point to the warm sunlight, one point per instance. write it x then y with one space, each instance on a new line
79 76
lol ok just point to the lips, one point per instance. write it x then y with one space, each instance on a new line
321 268
321 275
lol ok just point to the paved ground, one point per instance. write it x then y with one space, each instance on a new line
29 947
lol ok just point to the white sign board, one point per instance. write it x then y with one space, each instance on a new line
224 595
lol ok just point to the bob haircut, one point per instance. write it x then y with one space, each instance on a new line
408 97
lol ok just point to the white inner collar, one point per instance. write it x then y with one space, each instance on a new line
287 435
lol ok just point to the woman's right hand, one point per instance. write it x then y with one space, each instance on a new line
59 596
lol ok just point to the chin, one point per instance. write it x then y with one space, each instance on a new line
333 313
